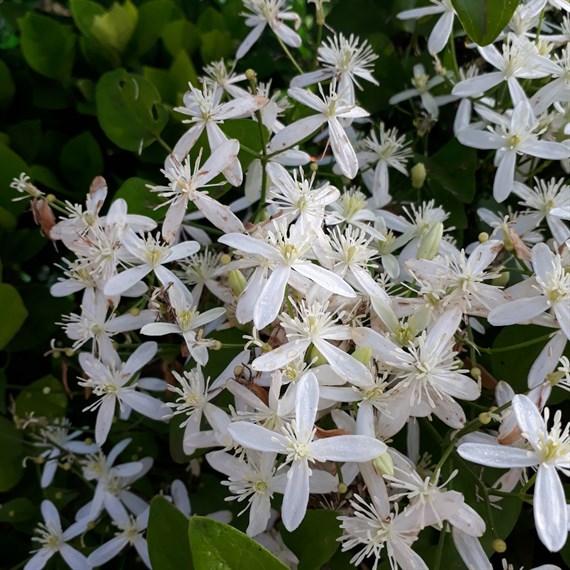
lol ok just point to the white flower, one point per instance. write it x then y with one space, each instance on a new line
297 442
549 451
513 135
442 30
53 539
272 13
344 59
112 380
329 109
185 185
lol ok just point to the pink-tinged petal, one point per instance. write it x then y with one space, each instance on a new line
281 356
344 364
125 280
296 132
470 550
477 85
144 404
107 551
449 412
220 215
252 436
306 402
325 278
518 311
529 418
250 39
505 175
219 160
342 149
358 448
497 455
547 360
296 495
550 515
140 357
248 244
269 302
440 34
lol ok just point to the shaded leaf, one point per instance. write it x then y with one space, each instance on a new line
44 397
13 312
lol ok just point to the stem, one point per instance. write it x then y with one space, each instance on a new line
440 543
289 55
163 144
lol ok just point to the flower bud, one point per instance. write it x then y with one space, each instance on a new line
485 418
502 279
250 74
419 174
225 258
237 282
499 545
429 244
475 372
342 488
483 237
135 311
384 464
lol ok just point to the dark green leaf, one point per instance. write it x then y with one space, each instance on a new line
182 71
12 452
129 110
139 198
44 397
17 510
215 45
7 87
220 546
484 20
167 536
315 540
181 35
81 160
13 312
12 167
48 46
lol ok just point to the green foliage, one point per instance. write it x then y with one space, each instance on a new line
129 110
167 536
13 313
218 545
44 397
12 450
484 20
81 160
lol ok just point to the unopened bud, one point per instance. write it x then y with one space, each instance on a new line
485 418
384 464
225 259
483 237
66 466
135 311
237 282
50 198
313 167
419 174
475 372
250 74
502 279
363 354
69 352
238 370
342 488
429 244
499 545
216 344
315 357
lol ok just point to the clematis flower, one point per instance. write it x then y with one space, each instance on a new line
548 451
297 442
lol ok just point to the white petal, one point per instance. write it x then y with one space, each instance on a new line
529 418
505 176
518 311
296 495
470 550
306 402
325 278
357 448
123 281
269 302
295 132
105 419
281 356
550 515
107 551
39 559
74 559
257 437
344 364
145 404
342 149
440 34
497 455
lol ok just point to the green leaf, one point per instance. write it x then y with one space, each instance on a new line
7 87
315 540
83 13
44 397
115 27
167 536
139 198
13 312
215 45
153 16
484 20
129 110
48 46
81 160
220 546
182 71
17 510
181 36
247 132
12 453
12 167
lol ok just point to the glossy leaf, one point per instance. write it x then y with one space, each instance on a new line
167 536
115 27
81 160
129 110
44 397
7 87
12 167
139 198
12 451
48 46
484 20
218 545
13 312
